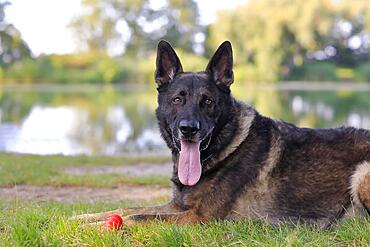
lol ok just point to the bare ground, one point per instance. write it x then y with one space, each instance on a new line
69 194
132 171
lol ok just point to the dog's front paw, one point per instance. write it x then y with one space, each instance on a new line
131 220
81 217
90 218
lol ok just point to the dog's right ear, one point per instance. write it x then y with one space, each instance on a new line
168 64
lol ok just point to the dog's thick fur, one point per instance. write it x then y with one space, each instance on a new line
252 166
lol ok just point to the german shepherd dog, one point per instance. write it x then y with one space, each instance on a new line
229 162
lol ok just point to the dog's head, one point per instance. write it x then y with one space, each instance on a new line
190 104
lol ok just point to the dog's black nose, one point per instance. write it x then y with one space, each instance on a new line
189 127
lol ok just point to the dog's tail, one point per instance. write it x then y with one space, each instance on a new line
360 186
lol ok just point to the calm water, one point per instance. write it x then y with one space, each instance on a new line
104 120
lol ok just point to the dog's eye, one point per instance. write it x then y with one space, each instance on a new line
176 100
208 101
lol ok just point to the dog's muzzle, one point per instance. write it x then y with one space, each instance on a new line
189 128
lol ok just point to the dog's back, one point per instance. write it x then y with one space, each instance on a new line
320 163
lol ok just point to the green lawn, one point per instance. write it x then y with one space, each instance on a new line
48 170
34 223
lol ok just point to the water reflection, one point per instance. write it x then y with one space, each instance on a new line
70 130
113 121
45 130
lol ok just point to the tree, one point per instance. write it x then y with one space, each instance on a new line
135 26
274 36
12 47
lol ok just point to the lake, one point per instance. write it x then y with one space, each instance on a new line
116 120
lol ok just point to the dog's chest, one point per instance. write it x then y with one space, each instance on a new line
257 199
256 202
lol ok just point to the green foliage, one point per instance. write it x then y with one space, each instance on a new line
12 46
26 69
272 40
362 73
91 68
45 69
78 68
191 62
275 36
245 73
315 71
135 26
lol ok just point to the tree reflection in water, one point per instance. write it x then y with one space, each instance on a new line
112 122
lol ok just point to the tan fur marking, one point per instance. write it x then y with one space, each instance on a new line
364 191
184 217
171 75
245 120
272 159
203 75
258 197
360 184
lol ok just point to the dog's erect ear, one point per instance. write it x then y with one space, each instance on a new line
220 67
168 63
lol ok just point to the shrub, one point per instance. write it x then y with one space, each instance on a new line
245 73
25 71
362 73
315 71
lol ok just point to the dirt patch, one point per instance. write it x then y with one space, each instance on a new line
131 171
69 194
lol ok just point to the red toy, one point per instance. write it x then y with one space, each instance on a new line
113 222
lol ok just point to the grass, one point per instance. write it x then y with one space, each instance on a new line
34 223
48 170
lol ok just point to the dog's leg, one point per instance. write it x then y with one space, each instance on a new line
184 217
167 208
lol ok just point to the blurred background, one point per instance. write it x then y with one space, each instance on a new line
76 76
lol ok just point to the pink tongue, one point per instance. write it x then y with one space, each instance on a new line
189 169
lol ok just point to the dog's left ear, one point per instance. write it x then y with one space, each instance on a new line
168 64
220 67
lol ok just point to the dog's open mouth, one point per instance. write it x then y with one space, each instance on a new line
190 168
